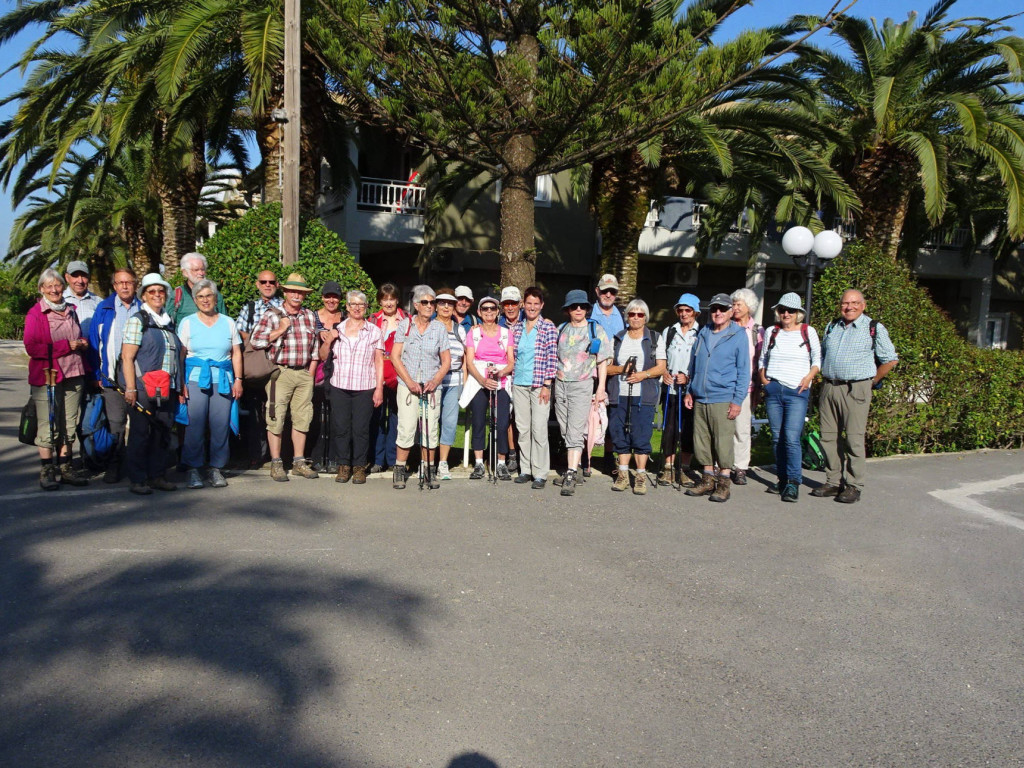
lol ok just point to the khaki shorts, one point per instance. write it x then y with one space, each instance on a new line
293 393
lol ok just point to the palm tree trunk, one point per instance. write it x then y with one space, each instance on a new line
270 136
141 256
178 185
884 180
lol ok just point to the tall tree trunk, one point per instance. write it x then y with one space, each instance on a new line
141 256
179 182
621 193
269 136
884 180
314 129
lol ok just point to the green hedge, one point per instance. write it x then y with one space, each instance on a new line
242 249
945 395
16 298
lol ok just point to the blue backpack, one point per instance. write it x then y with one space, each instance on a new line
98 444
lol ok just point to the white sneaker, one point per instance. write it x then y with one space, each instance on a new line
443 473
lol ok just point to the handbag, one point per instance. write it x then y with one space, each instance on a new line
256 363
28 425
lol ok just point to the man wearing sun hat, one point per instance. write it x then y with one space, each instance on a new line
290 335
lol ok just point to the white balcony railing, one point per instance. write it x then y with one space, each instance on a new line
391 196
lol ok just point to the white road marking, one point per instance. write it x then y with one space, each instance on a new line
961 499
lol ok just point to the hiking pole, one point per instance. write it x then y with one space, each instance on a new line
492 453
424 426
325 430
677 449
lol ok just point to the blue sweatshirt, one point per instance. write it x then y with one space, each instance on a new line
720 365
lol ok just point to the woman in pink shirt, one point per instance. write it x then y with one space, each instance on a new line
56 350
489 360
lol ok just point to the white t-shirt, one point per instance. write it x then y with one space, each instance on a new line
789 362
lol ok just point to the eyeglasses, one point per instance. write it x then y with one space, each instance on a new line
155 290
205 297
427 302
508 304
124 283
636 314
355 304
445 303
488 308
465 299
268 282
574 307
685 309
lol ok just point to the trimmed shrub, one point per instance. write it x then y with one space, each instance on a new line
242 249
945 395
16 298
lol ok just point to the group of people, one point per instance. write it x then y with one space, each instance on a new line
394 379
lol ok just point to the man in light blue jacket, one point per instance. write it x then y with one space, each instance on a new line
719 379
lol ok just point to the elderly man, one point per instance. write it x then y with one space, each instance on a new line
78 294
534 342
744 307
857 354
290 333
464 308
719 377
252 311
182 304
254 397
605 312
106 332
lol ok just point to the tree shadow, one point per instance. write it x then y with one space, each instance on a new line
175 660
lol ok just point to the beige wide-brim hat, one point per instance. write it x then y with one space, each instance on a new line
296 282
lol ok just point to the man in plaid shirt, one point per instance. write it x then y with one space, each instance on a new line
535 342
291 335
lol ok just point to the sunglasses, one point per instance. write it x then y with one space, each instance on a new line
787 311
574 307
488 308
268 282
427 302
721 309
684 309
636 314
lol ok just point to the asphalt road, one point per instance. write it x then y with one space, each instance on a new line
311 624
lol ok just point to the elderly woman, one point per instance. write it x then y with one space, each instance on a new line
421 358
790 359
355 387
151 372
489 361
583 350
451 386
744 305
719 381
213 381
638 360
677 436
319 443
384 423
56 377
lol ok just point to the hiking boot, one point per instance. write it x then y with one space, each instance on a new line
538 483
849 495
277 472
432 482
667 476
512 462
721 489
791 492
48 478
193 480
70 476
739 477
140 488
621 481
358 475
444 472
113 473
161 484
216 478
376 469
704 488
523 479
398 478
478 472
502 472
640 483
684 479
777 486
588 472
569 482
302 468
824 491
344 473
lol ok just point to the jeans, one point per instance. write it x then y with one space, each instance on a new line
384 431
786 411
209 417
449 413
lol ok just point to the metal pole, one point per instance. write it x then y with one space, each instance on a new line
811 262
292 132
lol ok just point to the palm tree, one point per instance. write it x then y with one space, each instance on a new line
915 100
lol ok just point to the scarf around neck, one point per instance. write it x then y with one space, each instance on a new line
54 307
163 319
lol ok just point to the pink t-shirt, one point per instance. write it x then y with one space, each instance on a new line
491 349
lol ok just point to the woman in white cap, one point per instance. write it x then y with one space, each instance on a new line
790 359
744 306
489 361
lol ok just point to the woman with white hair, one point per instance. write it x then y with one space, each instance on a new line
638 360
744 306
421 358
56 363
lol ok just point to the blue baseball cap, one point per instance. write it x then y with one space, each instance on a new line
689 300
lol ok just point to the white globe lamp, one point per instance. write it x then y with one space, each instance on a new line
828 244
798 241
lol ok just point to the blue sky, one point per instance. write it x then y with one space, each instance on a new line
761 13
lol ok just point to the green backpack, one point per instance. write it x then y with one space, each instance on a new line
813 454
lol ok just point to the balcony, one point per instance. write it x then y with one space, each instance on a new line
391 196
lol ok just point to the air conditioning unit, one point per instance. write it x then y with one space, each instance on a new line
774 279
795 281
684 274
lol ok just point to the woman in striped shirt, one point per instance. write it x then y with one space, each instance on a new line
790 359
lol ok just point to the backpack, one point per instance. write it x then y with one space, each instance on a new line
595 343
806 342
98 443
813 455
872 330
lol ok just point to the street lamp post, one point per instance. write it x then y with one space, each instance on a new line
812 252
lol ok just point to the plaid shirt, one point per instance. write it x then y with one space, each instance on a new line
421 353
245 324
545 359
296 347
846 350
354 367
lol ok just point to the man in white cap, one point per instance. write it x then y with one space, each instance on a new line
79 295
511 306
605 312
464 308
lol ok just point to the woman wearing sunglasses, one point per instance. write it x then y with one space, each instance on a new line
638 360
790 359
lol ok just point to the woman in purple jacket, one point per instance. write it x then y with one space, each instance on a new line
56 351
